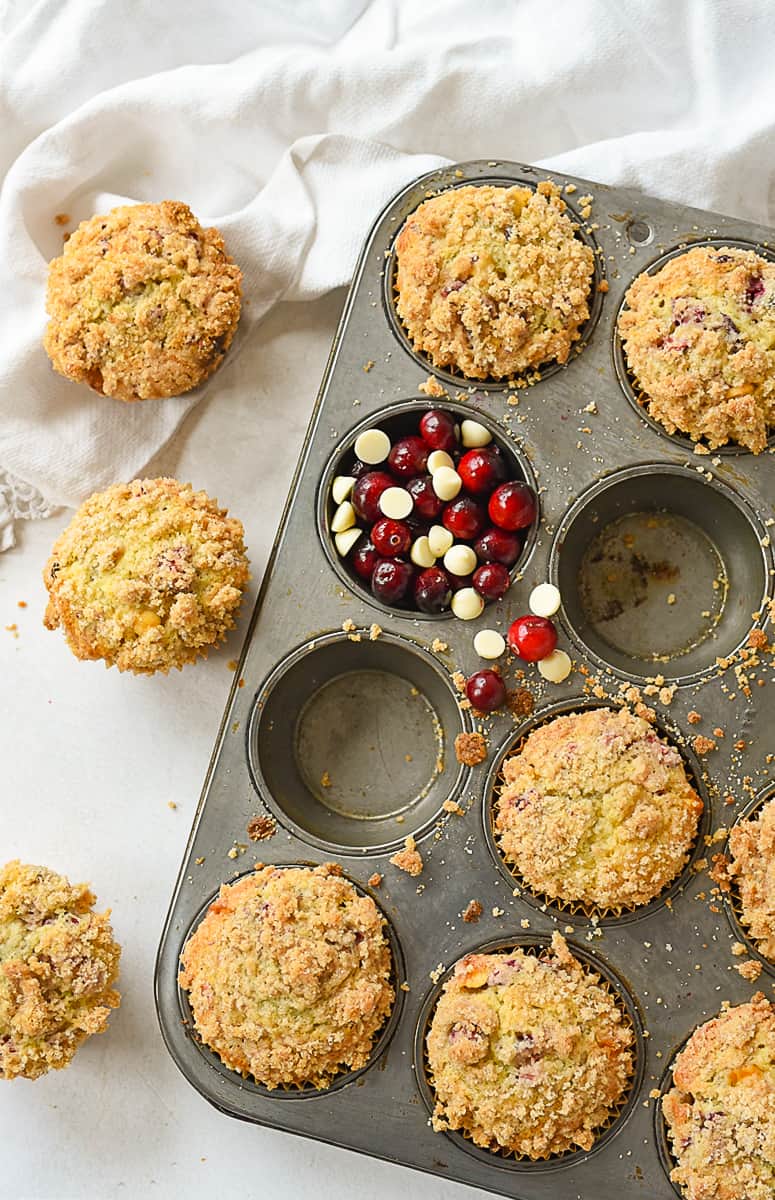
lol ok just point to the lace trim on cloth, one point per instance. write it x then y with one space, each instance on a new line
19 501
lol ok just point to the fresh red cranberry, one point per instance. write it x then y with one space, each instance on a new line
464 518
512 506
482 470
391 579
486 690
532 638
426 502
364 558
391 538
408 457
366 494
491 580
432 590
460 581
498 545
438 430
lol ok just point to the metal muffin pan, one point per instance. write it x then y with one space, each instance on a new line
317 698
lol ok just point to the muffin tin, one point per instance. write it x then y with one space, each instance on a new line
343 713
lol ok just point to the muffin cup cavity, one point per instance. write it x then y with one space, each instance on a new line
732 899
350 743
660 571
578 912
534 944
457 378
344 1077
400 420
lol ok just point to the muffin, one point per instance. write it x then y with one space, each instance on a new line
491 281
527 1054
699 336
58 964
143 302
288 976
752 850
720 1113
597 810
148 575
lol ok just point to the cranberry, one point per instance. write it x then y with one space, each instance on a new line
460 581
532 638
364 558
438 430
497 545
432 590
482 470
408 457
390 580
391 537
426 502
486 690
366 494
464 518
512 506
754 288
360 468
491 580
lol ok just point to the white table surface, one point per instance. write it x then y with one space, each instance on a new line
90 760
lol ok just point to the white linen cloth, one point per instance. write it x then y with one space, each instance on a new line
289 125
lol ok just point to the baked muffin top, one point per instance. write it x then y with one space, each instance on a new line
58 963
143 302
528 1054
148 575
288 975
597 809
752 849
699 336
491 281
720 1113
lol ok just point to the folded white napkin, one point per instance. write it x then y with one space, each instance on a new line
289 125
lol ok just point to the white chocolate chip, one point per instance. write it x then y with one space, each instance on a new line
467 604
438 459
545 600
396 502
439 539
421 553
341 487
488 643
372 446
343 518
473 434
460 560
446 483
346 540
555 667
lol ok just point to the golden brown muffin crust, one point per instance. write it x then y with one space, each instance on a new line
752 846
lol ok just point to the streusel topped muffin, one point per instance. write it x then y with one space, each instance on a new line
58 964
148 575
143 302
597 809
528 1054
288 975
699 336
752 849
721 1112
492 281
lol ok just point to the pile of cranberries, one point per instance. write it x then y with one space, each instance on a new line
433 520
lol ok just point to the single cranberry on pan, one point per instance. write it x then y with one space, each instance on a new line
512 506
486 690
439 431
364 559
408 457
366 494
465 518
390 580
432 590
391 538
491 581
532 638
498 545
426 502
482 470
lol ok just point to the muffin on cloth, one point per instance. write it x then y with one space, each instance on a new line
699 336
288 975
143 302
720 1113
597 809
528 1054
752 849
148 575
58 964
492 281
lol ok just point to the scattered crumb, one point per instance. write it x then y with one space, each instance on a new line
374 880
497 912
719 872
603 285
519 702
232 664
570 188
718 732
738 949
438 646
171 804
758 640
241 681
375 631
750 970
431 387
703 745
233 852
261 828
408 859
325 780
405 987
21 603
452 806
472 912
671 598
470 749
199 861
693 717
348 625
459 680
62 219
367 366
524 923
666 695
